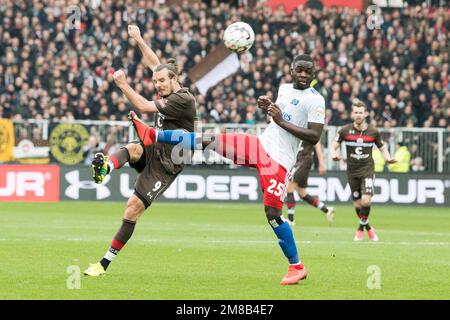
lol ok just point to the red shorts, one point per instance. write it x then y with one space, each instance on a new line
246 150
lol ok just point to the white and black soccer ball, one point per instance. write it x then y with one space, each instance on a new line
239 37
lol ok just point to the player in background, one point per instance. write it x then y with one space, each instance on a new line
156 171
298 114
299 182
360 138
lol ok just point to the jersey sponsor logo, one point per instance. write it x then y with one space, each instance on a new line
29 183
295 102
314 90
67 142
360 155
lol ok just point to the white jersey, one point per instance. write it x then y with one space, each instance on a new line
299 107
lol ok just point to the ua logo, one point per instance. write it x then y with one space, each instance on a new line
73 191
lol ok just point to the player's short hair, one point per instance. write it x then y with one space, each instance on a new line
358 104
303 57
171 66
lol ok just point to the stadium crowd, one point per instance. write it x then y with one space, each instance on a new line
53 67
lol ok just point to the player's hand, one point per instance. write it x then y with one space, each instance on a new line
263 102
134 32
322 170
119 78
391 161
275 112
336 158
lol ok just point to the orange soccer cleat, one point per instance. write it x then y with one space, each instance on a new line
146 134
372 235
359 235
294 275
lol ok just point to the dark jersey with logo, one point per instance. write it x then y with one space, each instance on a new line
176 111
359 144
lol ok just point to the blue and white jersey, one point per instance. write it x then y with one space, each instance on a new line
299 107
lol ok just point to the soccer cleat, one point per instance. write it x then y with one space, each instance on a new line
294 275
291 220
330 214
147 135
99 167
359 235
372 235
94 270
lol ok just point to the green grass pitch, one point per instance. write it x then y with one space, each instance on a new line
220 251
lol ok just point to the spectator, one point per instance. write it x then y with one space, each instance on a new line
403 157
51 70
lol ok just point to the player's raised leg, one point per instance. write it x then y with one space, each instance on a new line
103 165
315 202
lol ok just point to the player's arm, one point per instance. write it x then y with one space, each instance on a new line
311 134
334 151
319 153
142 104
150 59
383 148
386 155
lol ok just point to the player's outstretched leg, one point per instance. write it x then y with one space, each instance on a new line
147 135
282 229
315 202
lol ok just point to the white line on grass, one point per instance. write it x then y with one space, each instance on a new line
246 242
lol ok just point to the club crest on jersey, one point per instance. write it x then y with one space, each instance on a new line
287 116
295 102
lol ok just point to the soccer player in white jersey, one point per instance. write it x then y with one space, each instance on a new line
298 114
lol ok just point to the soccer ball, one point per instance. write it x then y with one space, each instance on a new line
239 37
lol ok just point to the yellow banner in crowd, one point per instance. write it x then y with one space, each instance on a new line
6 140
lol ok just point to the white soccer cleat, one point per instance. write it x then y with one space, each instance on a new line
330 214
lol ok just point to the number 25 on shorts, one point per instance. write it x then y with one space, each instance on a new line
276 188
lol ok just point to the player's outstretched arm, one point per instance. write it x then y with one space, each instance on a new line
150 59
142 104
387 157
311 134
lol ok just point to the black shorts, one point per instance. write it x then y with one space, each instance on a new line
301 172
153 178
361 185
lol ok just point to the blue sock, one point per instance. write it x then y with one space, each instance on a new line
286 239
186 139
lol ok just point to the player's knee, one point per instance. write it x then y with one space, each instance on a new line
302 192
366 201
135 150
134 209
272 213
